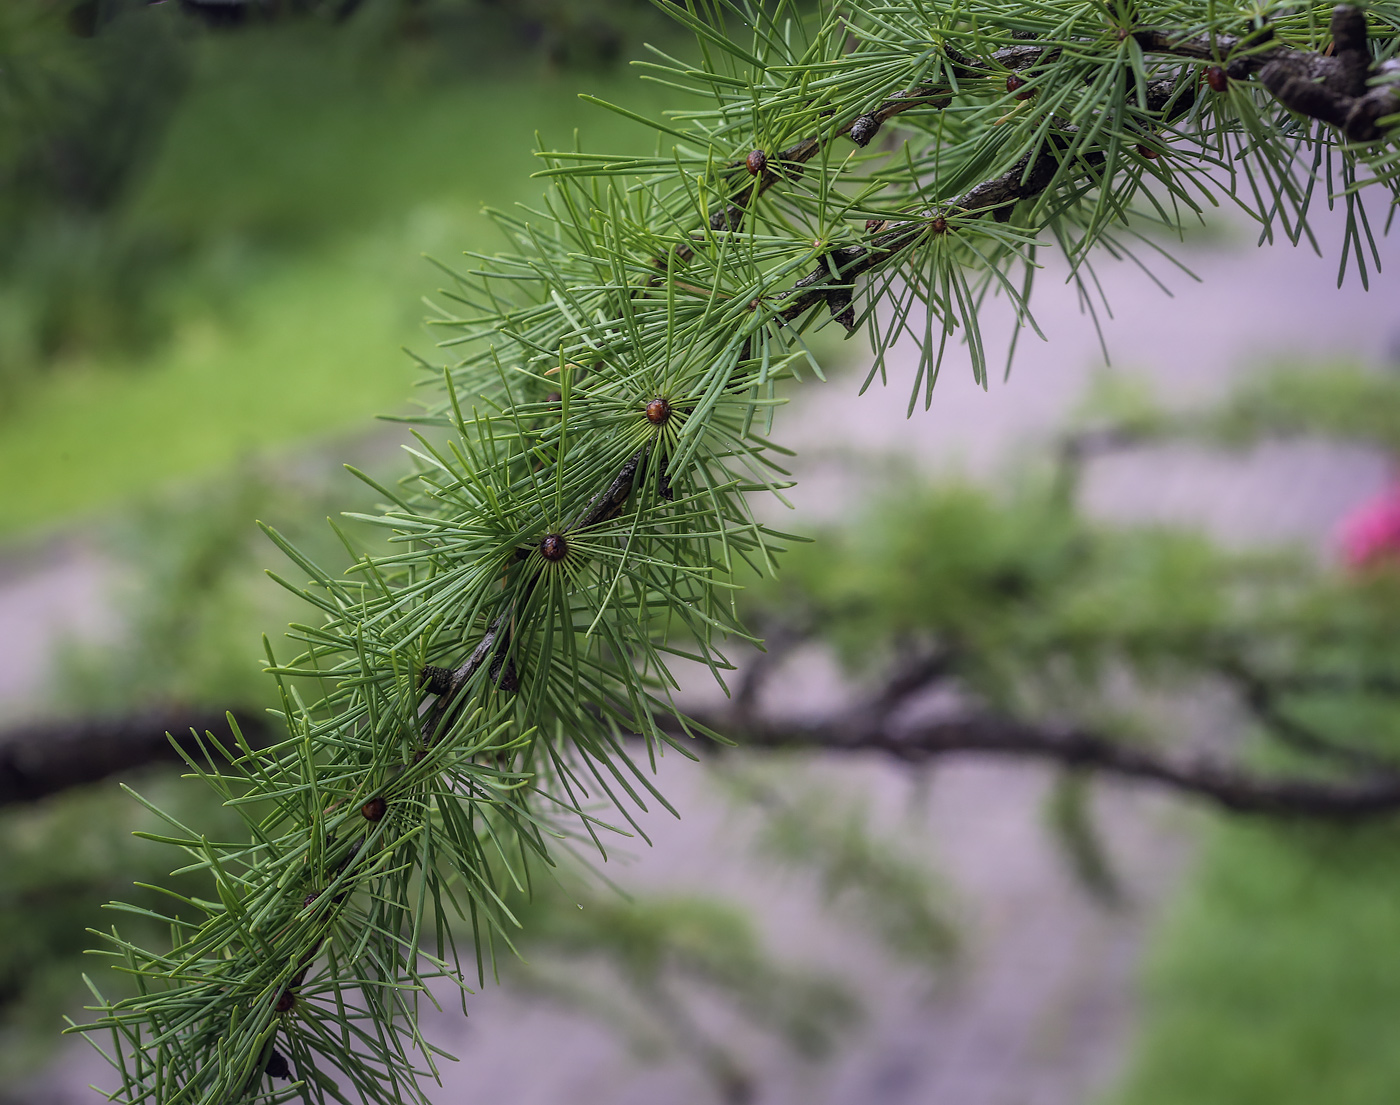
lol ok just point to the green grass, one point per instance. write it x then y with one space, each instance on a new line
305 192
314 351
1276 981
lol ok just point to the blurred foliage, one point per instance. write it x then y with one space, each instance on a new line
1348 402
1034 604
574 33
86 90
1274 979
660 953
1345 401
195 602
1036 612
59 863
874 879
95 259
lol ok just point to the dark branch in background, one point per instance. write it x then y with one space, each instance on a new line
1262 698
48 757
913 672
874 726
1073 451
45 758
779 641
985 734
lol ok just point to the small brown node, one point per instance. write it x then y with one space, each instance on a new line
277 1065
658 410
864 129
756 161
554 547
375 808
939 225
873 226
1147 152
1015 84
286 1001
309 899
1217 79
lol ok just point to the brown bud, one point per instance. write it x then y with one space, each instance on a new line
939 225
1217 79
756 161
1015 85
309 899
375 808
285 1001
658 410
554 547
1150 154
277 1065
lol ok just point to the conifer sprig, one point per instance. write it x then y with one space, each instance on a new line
467 703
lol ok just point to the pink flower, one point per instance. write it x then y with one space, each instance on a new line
1372 531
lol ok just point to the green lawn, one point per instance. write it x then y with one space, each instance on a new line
307 195
1276 980
313 351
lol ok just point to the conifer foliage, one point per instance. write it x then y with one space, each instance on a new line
493 691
